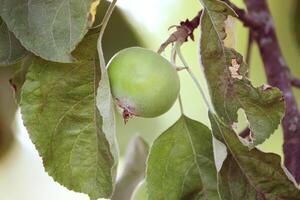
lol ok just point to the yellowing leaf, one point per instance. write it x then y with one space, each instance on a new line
93 11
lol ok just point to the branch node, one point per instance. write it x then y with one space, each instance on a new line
295 82
182 33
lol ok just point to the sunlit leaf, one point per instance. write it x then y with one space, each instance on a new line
220 153
59 110
49 29
229 86
181 163
11 51
250 174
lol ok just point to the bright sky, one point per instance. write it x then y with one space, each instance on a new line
146 12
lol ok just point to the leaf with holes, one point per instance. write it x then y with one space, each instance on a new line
11 50
250 174
229 86
49 29
181 163
58 106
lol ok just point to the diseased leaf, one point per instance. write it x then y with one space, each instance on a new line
49 29
229 86
244 174
181 163
58 106
11 51
250 174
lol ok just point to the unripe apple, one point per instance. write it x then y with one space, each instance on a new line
143 83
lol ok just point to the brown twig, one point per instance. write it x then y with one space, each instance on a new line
243 16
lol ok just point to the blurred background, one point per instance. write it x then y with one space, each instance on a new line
144 23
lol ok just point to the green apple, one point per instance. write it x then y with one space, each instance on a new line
143 83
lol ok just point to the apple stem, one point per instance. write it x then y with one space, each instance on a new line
101 33
173 62
188 69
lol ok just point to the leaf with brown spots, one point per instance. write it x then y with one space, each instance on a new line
229 86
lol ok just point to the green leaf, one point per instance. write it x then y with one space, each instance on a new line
250 174
58 106
181 163
49 29
11 51
229 86
86 54
233 184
